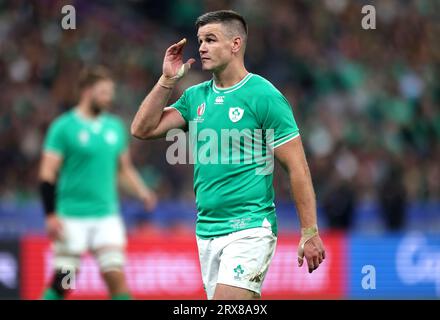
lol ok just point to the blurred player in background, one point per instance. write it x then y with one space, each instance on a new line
236 223
85 151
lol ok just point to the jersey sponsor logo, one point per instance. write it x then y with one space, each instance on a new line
240 223
219 100
235 114
201 109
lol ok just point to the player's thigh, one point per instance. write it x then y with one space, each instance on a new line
109 232
108 243
228 292
73 244
244 262
209 257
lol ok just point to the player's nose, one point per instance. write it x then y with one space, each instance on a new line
202 48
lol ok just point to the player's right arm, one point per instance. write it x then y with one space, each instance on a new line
48 173
54 149
50 165
153 119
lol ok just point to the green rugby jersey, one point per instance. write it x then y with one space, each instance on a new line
87 181
230 193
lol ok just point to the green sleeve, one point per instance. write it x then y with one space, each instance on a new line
276 113
181 105
123 133
55 139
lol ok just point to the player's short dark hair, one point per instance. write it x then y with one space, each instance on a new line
223 16
91 75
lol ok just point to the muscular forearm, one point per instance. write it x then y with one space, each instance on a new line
148 116
292 157
304 196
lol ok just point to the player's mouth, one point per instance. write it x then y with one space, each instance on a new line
205 59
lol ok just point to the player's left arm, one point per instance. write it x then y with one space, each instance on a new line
132 182
292 157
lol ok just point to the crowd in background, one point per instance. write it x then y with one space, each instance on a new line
366 101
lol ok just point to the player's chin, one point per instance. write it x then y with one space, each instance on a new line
207 66
106 105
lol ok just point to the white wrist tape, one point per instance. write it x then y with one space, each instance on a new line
180 73
170 82
167 83
306 235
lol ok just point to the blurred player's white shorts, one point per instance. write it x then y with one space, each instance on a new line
240 259
91 234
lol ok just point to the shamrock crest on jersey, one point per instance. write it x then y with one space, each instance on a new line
235 114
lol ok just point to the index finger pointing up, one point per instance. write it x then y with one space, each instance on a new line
181 42
175 48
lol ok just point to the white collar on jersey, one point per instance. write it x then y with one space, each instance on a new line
236 86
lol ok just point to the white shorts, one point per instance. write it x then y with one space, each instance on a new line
83 234
240 259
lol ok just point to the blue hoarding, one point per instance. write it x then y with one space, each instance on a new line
394 266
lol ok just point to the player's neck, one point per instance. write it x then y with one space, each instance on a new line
85 111
229 76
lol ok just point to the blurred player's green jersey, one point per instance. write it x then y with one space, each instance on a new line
87 182
232 196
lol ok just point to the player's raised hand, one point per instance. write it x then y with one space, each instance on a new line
54 227
173 67
313 251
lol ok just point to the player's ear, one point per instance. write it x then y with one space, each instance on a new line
236 44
